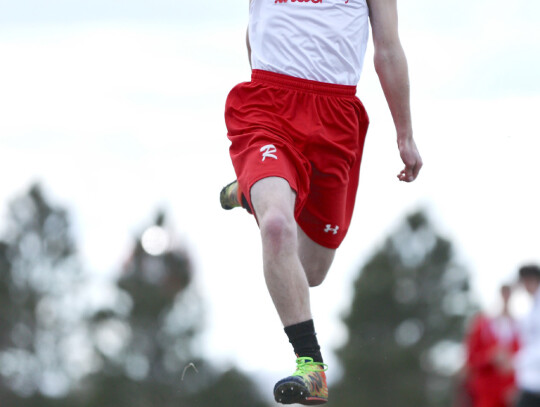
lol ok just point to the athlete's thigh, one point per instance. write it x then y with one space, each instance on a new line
273 193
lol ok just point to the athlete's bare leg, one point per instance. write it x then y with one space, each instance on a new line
315 259
273 201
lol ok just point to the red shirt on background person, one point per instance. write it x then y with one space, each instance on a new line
492 343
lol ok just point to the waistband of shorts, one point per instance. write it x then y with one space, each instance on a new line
302 85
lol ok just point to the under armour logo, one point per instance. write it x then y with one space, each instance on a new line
329 228
268 152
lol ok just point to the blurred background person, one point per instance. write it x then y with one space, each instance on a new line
492 343
528 361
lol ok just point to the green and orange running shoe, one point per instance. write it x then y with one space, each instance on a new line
228 196
306 386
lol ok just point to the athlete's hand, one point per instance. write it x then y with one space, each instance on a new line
410 157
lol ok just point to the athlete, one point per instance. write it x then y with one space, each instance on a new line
297 133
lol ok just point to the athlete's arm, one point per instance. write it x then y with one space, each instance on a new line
391 67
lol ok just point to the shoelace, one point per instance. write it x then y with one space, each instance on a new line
306 364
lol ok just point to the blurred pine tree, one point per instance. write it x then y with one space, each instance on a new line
40 282
406 322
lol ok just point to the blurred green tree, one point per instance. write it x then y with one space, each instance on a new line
155 359
40 283
410 307
140 347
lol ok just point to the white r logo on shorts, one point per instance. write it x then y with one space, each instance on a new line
268 152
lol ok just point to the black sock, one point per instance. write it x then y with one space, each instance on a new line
303 338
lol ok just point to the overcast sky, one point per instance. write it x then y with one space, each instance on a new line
117 107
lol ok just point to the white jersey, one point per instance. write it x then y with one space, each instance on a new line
321 40
528 361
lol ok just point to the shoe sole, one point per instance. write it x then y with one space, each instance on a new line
294 393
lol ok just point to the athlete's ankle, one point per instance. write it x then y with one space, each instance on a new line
303 338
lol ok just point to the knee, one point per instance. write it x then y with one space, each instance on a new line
316 276
314 282
316 266
278 230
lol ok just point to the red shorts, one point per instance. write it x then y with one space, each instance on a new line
309 133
